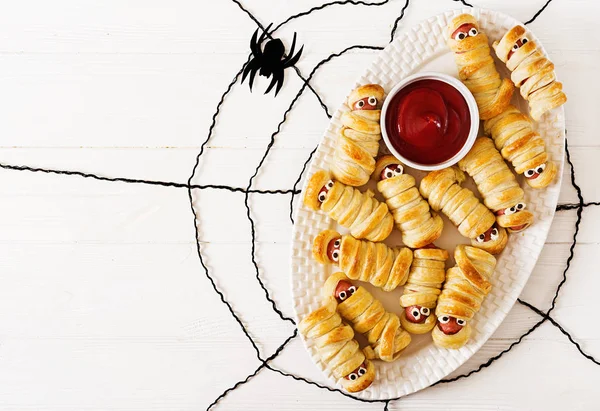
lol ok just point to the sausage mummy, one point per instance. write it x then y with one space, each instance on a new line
360 212
441 188
410 211
497 184
512 132
427 273
358 140
476 66
531 72
376 263
382 329
337 347
466 286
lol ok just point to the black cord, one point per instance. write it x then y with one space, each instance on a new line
540 11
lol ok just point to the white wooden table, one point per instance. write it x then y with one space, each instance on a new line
103 301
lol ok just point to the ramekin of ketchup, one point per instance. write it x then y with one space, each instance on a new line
430 121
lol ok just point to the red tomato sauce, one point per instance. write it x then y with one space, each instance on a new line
428 121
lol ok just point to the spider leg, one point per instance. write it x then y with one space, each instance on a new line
291 60
255 46
251 68
277 79
291 52
264 34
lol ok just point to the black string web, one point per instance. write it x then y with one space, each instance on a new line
265 363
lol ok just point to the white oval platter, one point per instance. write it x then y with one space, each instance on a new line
423 48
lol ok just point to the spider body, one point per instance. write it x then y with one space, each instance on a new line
270 62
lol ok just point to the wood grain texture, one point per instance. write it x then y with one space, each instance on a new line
104 303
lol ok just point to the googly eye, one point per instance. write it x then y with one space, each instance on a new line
510 210
351 290
322 197
337 243
360 104
353 377
372 101
330 184
461 322
494 234
362 371
425 311
521 206
398 170
335 256
342 295
480 238
515 47
444 319
524 40
416 313
473 32
460 36
530 173
540 170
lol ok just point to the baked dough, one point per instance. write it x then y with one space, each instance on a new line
427 273
360 212
476 66
376 263
382 329
411 212
512 132
337 348
497 184
443 191
466 286
358 140
531 71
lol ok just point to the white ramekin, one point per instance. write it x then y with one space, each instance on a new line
473 112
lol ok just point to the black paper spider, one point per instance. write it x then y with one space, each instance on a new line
269 61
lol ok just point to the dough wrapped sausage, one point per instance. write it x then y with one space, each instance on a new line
512 132
360 212
337 347
376 263
411 212
476 66
382 329
443 191
427 273
531 72
466 286
358 140
497 184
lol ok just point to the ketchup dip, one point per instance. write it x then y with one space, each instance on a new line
428 121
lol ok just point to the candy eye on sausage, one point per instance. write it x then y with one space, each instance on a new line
425 311
473 32
416 314
342 295
461 322
372 101
362 371
494 234
460 36
444 319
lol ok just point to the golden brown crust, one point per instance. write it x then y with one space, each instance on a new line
316 182
413 217
513 134
376 263
382 329
423 286
442 190
477 70
466 286
358 140
531 71
497 185
360 212
336 345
